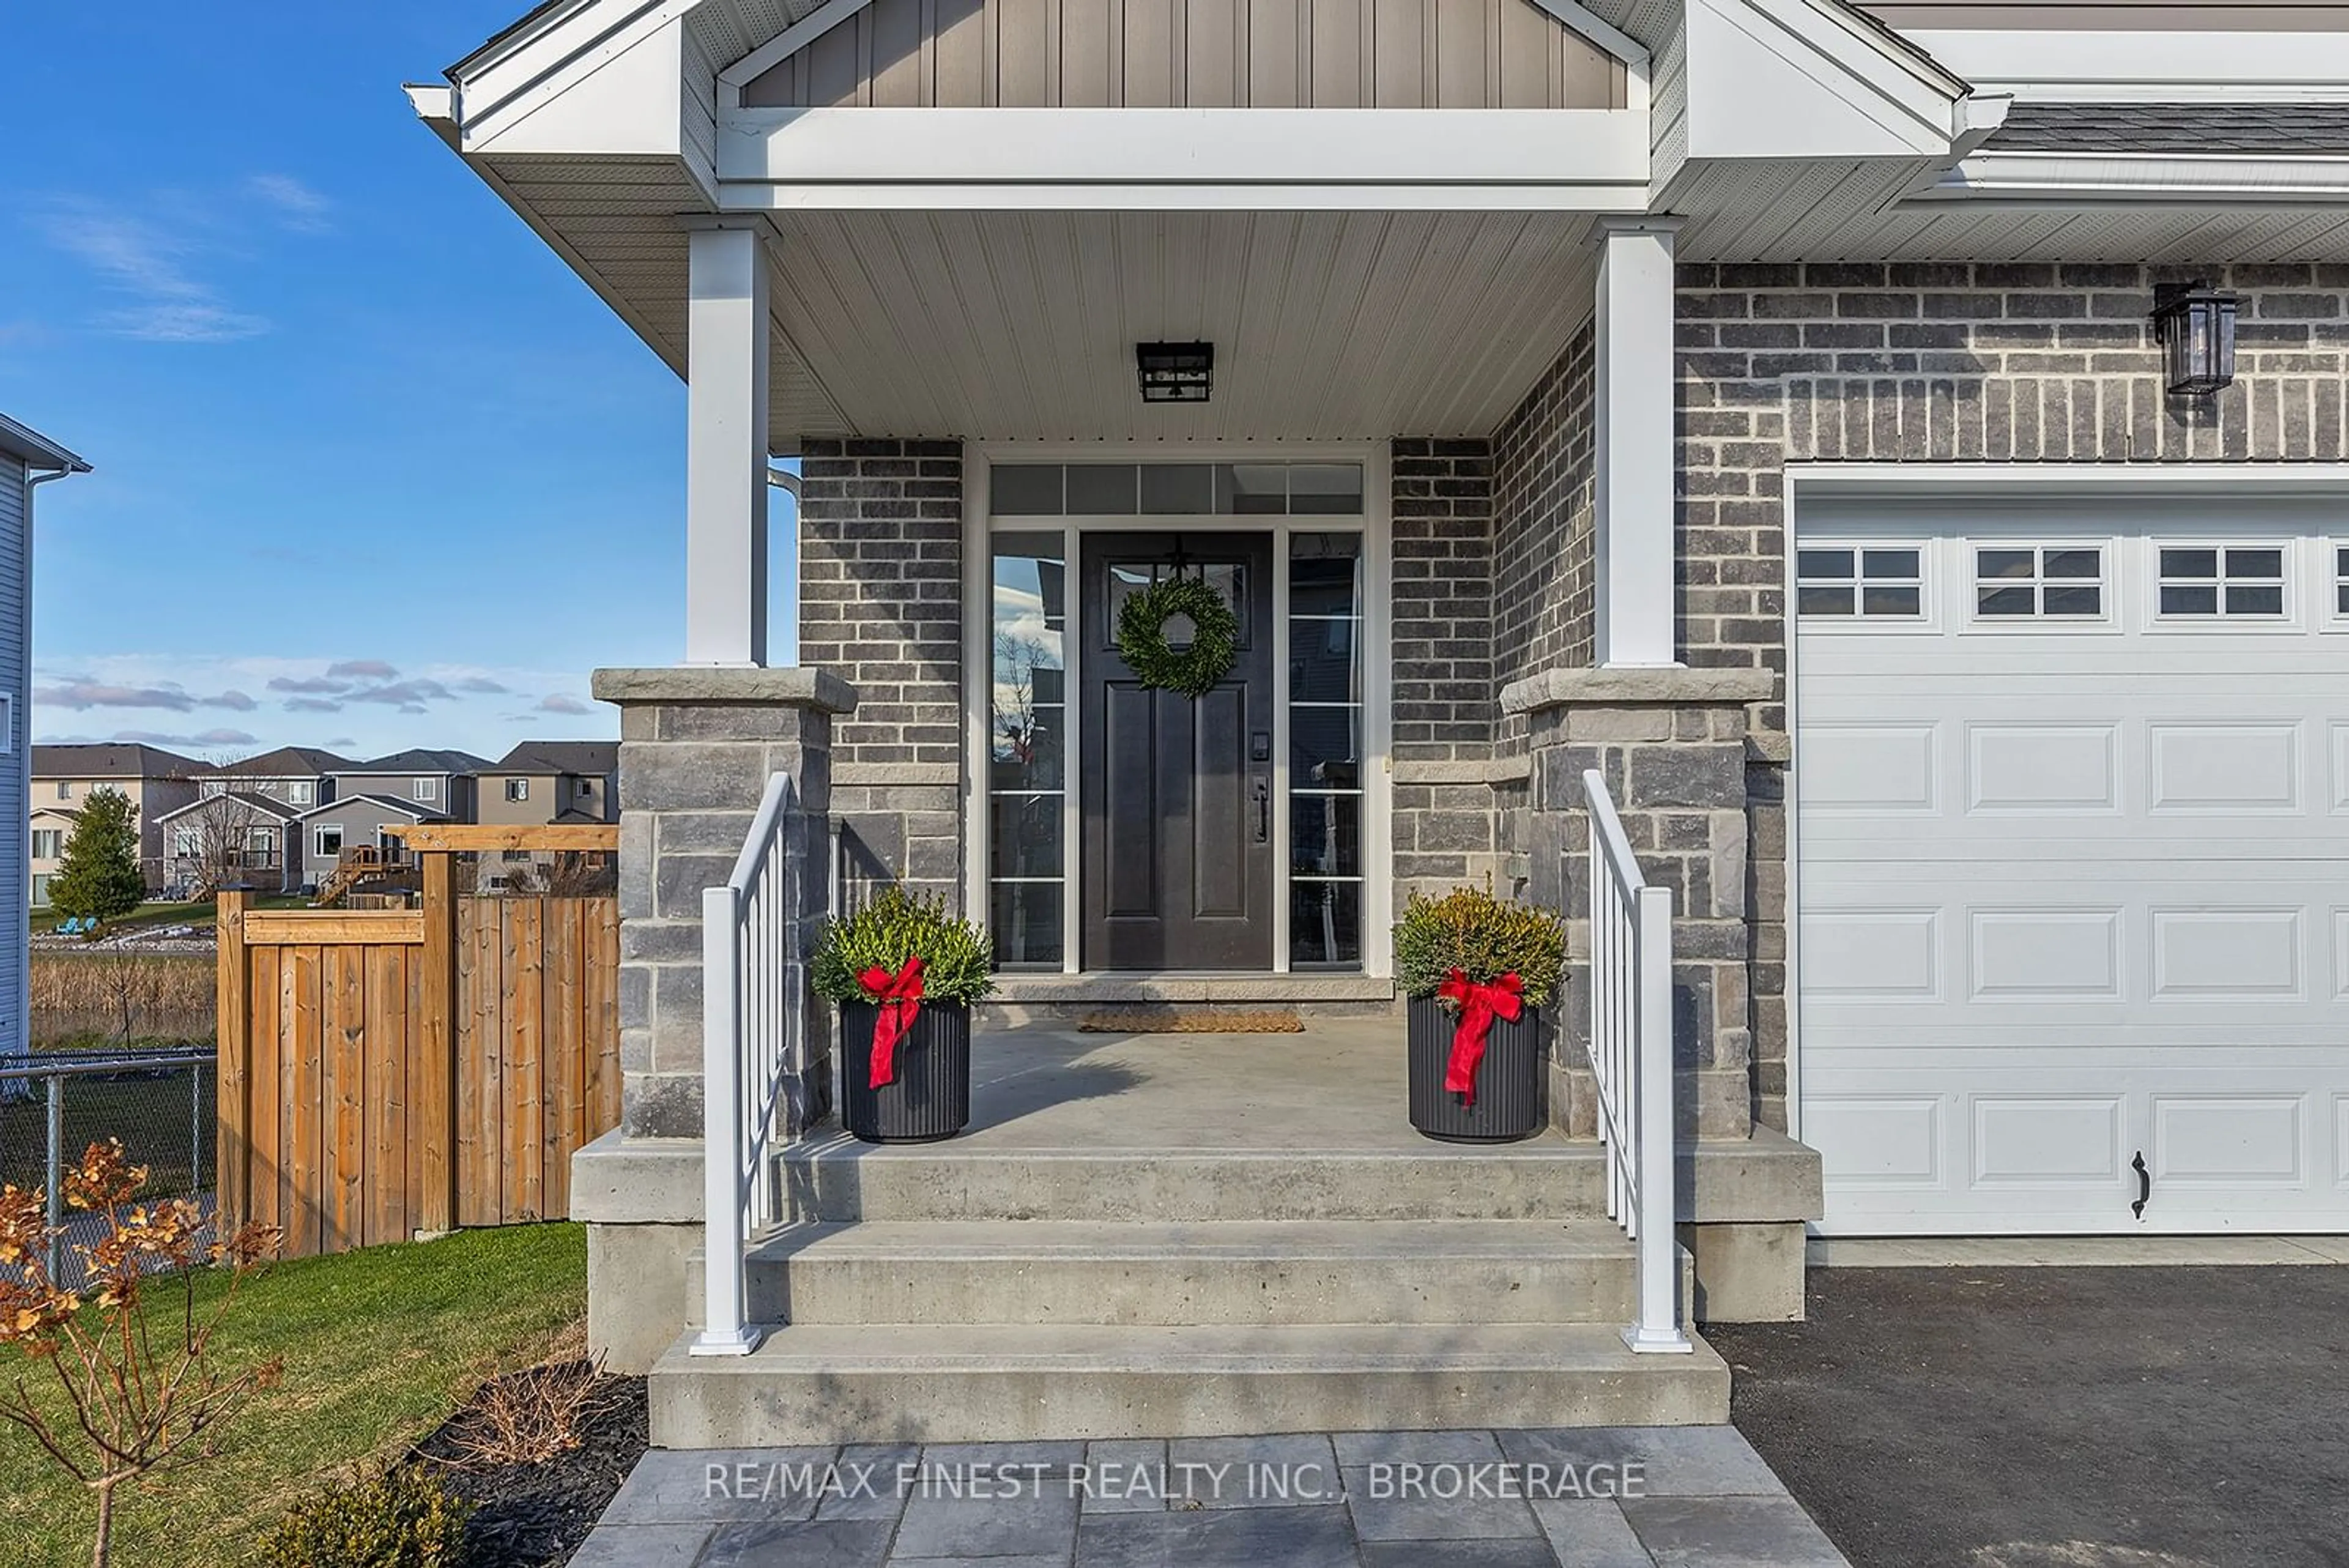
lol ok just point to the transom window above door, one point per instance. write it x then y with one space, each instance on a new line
2233 581
1175 489
2048 581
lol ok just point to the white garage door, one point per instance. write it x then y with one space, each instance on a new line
2073 841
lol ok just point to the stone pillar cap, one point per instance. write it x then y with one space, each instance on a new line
792 687
1626 685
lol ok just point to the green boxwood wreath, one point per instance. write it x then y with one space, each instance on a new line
1141 636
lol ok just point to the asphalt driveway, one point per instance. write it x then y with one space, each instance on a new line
2060 1418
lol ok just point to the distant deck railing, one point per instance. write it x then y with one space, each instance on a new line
1631 1056
753 1014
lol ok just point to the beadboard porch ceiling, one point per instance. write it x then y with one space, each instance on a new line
1015 326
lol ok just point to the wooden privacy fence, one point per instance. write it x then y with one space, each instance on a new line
384 1072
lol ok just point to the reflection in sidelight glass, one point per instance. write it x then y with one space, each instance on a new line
1027 729
1325 750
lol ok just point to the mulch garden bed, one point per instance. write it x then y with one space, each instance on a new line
536 1515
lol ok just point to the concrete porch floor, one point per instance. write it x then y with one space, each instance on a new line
1339 1085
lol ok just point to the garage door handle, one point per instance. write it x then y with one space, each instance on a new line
2143 1184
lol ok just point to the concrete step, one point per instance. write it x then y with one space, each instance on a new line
831 1383
834 1178
1231 1272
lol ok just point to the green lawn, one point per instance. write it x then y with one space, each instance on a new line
159 914
379 1346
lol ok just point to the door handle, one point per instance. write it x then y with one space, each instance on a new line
2144 1185
1260 793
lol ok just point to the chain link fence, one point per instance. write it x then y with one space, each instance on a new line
158 1103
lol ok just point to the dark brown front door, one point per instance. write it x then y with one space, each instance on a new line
1177 794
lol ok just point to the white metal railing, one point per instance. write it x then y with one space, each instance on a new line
1631 1055
753 1012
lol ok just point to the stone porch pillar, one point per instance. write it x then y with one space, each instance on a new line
697 747
1672 745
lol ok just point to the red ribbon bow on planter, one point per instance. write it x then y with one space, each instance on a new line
900 996
1479 1005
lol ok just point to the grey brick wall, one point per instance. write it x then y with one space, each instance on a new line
1544 491
1444 683
881 592
1442 544
1961 361
881 605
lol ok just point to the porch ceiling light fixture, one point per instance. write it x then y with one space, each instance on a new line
2196 324
1175 372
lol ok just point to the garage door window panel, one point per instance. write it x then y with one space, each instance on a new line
2221 582
1861 582
2039 582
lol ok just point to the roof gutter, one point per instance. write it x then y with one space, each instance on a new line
2049 179
38 450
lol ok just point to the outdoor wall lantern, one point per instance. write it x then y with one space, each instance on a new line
1175 372
2196 324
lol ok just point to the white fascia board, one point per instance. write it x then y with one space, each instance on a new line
814 157
2041 179
1217 198
2057 66
1792 79
626 100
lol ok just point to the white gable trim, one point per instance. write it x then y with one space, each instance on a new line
1804 80
780 47
1574 160
833 13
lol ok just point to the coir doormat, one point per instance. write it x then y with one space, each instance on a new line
1193 1020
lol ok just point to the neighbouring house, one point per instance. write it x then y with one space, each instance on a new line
550 781
1904 448
155 781
233 838
440 783
28 460
355 821
298 776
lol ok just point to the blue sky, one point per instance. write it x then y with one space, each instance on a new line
374 469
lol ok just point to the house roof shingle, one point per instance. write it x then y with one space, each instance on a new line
2088 130
421 760
592 758
408 808
109 759
285 762
267 806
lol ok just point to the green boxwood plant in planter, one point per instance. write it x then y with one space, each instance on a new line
1479 971
904 971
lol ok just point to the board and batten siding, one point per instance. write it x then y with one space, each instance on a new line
2117 16
1195 53
15 617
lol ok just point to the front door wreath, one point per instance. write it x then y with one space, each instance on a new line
1142 643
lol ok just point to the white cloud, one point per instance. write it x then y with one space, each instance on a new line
147 262
297 207
557 702
466 705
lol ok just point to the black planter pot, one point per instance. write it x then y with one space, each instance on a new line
929 1098
1508 1080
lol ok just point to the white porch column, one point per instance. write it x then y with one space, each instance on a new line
728 350
1636 456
